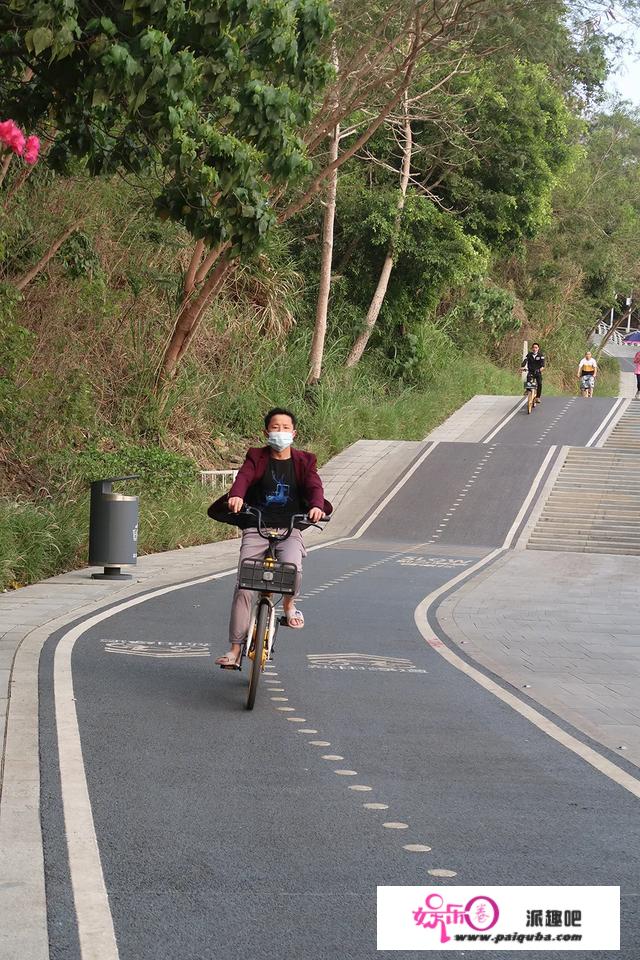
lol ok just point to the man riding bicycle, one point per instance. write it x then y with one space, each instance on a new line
280 481
533 363
587 373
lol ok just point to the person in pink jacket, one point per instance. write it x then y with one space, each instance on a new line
636 367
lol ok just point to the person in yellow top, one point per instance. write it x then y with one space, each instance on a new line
587 373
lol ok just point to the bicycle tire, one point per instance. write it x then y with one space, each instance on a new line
262 625
531 399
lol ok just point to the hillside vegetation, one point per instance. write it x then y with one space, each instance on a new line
432 213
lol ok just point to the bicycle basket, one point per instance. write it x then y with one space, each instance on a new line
271 576
531 384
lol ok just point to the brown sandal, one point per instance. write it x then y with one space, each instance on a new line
228 662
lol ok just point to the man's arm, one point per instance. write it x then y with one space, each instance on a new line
245 478
314 491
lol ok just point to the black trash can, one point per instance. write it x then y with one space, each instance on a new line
113 530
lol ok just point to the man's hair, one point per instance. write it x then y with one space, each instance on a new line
279 412
535 345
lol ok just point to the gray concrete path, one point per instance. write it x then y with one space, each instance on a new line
475 419
563 629
624 356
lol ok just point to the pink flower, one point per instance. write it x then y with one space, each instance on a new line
31 150
12 136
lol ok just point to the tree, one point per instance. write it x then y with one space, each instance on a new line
205 100
383 281
316 353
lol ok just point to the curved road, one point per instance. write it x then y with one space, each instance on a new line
368 760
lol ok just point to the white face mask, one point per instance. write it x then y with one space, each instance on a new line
280 439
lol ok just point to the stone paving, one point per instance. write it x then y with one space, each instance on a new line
564 631
474 420
627 382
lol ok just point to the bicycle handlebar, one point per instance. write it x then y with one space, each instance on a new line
301 517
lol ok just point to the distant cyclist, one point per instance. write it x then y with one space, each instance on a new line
587 373
533 363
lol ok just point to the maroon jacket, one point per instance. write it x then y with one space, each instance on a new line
254 468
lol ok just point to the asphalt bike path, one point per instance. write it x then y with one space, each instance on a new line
561 420
227 833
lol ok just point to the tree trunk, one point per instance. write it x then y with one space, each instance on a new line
27 277
614 326
188 319
383 282
190 276
320 328
198 292
4 166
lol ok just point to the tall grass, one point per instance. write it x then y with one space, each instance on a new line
41 540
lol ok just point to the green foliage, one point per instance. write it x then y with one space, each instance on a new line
502 185
568 278
16 345
39 540
78 256
482 318
519 211
206 98
158 470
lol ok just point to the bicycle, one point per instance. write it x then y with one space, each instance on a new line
267 577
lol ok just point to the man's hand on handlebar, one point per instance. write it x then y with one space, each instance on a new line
315 514
235 504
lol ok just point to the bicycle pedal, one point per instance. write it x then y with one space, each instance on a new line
283 621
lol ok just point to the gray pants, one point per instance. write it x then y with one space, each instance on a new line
254 547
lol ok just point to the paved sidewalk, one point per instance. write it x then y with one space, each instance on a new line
565 631
475 419
627 382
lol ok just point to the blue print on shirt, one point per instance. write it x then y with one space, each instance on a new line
281 496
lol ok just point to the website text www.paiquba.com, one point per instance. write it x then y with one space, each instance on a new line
518 937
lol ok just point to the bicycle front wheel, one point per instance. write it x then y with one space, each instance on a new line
259 641
531 399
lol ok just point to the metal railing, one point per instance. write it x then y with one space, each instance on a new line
217 478
616 337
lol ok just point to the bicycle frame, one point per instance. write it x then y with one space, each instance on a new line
261 597
254 574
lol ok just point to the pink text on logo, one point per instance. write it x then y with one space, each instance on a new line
480 913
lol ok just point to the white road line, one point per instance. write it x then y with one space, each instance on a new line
95 924
604 423
592 757
547 726
532 492
504 422
376 513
